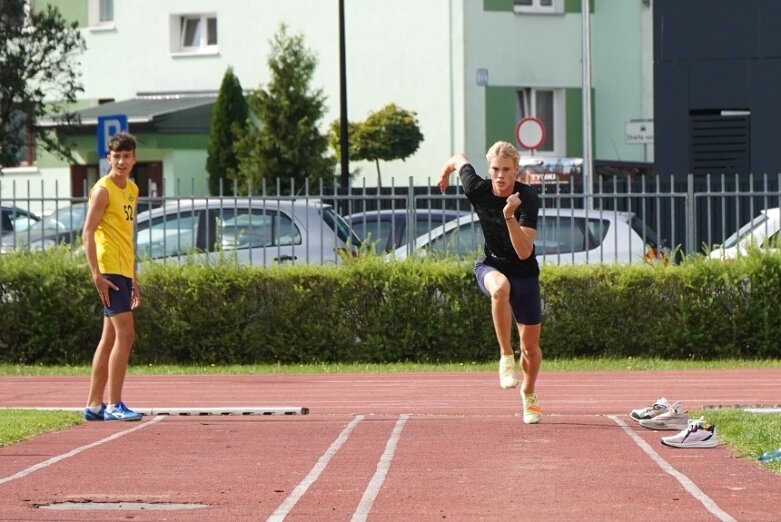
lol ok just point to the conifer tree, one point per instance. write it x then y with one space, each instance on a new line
286 142
228 120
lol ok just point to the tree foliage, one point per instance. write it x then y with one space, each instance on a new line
285 141
228 120
39 77
388 134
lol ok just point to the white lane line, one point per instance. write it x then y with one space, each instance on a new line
284 509
74 452
685 481
383 465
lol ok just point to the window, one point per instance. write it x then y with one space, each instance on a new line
259 228
194 33
25 155
548 106
101 13
171 235
539 6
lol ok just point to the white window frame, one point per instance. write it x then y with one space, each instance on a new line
526 105
95 12
538 6
179 29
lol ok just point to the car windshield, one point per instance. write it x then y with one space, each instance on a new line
745 230
62 219
340 226
647 233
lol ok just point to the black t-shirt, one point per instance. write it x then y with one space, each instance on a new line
499 251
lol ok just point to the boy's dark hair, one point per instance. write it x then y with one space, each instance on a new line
122 141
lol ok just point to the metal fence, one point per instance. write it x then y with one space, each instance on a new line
689 213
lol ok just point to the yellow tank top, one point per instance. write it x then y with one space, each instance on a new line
114 237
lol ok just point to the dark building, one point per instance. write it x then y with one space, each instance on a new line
717 73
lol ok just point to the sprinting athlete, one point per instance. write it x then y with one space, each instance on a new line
508 273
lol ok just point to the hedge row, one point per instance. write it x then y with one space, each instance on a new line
373 311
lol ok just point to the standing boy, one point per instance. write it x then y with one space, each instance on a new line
508 273
109 243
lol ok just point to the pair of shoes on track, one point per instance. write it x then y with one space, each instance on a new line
532 413
665 416
119 413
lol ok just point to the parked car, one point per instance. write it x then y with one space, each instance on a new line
15 219
250 231
568 236
761 232
61 226
387 229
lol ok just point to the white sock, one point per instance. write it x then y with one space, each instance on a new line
94 410
111 407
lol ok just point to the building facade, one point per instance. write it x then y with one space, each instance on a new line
470 69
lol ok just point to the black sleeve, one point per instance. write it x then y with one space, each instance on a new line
469 178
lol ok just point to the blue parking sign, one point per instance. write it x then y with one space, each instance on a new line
108 126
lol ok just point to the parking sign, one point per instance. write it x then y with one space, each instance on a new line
108 126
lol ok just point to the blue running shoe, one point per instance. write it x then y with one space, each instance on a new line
90 415
121 413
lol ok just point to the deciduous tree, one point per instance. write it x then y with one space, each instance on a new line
39 77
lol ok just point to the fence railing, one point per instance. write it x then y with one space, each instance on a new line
689 213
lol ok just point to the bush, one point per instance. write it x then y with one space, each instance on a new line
374 311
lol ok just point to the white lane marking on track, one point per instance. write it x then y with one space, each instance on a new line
74 452
685 481
383 465
284 509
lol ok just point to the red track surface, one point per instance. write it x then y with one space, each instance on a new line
426 446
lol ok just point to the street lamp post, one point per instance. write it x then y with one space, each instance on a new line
343 135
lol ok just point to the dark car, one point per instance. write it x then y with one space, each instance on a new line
62 225
15 219
387 230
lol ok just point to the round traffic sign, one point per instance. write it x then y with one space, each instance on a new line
530 132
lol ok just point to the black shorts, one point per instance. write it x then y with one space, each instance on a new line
121 299
525 298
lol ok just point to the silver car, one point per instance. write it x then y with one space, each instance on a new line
564 236
261 232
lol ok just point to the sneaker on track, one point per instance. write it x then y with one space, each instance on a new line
90 415
675 419
532 413
698 434
657 408
507 378
121 413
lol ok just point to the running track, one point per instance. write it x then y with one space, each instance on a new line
419 446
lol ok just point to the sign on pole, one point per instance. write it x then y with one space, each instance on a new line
108 126
530 132
639 131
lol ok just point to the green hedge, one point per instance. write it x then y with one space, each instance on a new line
375 311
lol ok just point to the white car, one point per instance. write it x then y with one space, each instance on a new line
564 236
761 232
261 232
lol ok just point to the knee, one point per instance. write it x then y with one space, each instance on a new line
501 292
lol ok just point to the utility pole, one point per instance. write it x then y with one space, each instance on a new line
344 146
588 160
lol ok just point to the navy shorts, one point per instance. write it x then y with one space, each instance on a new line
120 299
525 298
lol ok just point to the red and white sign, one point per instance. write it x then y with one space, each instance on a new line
530 132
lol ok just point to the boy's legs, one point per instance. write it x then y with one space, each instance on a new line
124 338
531 354
100 360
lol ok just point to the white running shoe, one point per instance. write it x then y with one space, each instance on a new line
675 419
507 378
657 408
698 434
532 413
